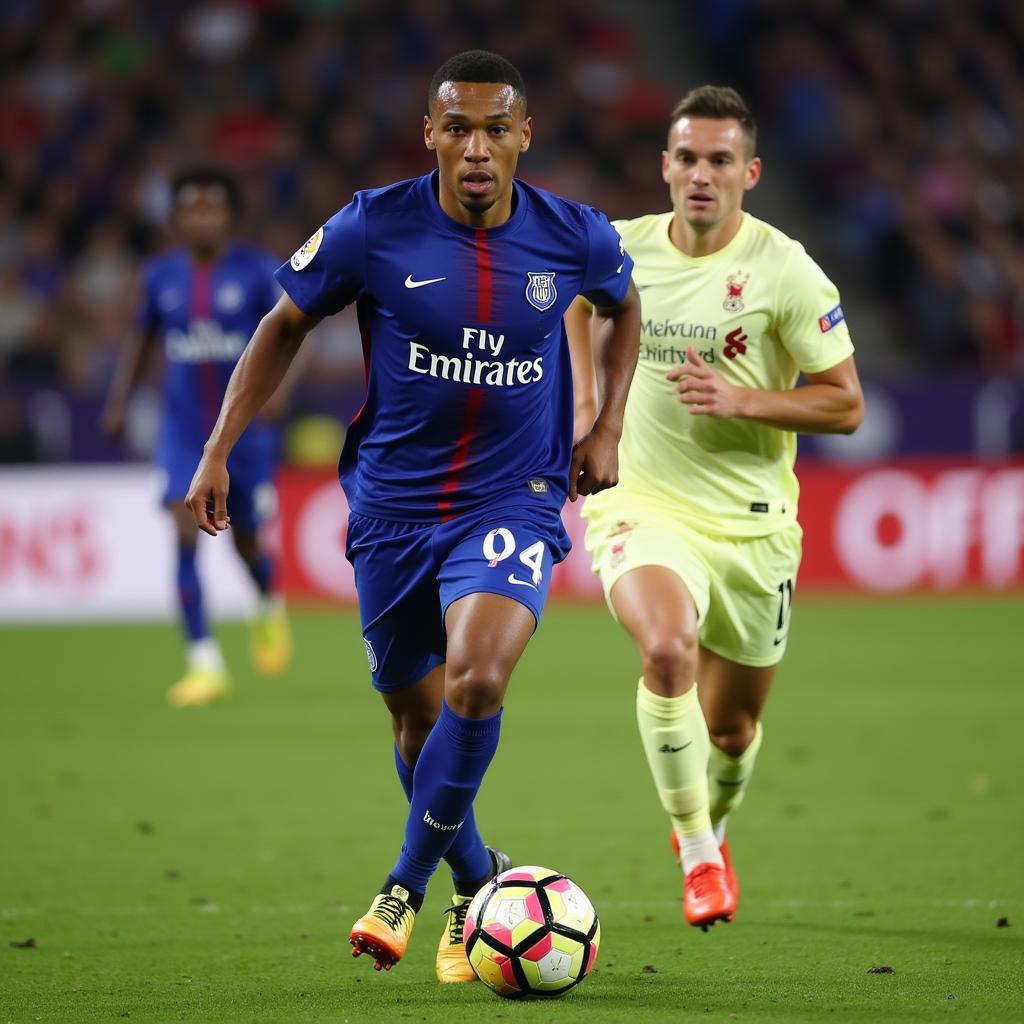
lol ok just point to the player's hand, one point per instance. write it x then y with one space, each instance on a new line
208 496
703 390
595 463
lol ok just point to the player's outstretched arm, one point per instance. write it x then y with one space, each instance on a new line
261 369
830 403
616 334
130 363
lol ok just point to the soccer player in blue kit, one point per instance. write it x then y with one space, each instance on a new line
457 466
203 301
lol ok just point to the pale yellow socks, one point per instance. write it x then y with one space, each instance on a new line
727 781
675 739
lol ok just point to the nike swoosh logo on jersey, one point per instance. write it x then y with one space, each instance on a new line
410 283
520 583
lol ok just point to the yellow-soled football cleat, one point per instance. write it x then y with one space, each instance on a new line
452 964
199 687
270 642
384 930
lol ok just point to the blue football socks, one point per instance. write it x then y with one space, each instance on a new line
190 594
467 856
446 779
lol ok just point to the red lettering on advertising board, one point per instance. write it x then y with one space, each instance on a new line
57 546
909 526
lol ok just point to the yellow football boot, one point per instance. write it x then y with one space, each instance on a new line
199 687
384 930
270 642
452 966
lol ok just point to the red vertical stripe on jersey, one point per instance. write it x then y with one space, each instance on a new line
201 308
484 278
461 454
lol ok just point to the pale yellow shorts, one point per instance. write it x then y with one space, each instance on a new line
742 587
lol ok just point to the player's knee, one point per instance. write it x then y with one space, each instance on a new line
670 661
475 691
735 738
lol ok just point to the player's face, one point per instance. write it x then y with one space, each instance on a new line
203 216
478 131
707 170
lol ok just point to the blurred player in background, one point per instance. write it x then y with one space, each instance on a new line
461 458
698 546
203 302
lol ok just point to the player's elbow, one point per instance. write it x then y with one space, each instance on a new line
853 415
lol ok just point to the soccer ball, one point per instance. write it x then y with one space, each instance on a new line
531 931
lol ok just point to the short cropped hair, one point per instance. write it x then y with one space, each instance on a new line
204 176
718 103
477 66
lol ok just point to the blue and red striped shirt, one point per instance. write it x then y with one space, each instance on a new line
469 385
205 314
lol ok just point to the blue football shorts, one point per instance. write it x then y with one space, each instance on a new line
252 497
408 574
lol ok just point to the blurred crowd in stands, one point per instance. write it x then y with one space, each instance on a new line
101 100
902 121
904 124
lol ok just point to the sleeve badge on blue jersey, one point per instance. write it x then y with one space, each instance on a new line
830 319
303 256
540 290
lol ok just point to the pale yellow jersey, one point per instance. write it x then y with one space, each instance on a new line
759 311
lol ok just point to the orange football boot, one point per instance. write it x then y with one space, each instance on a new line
730 872
384 930
690 904
706 896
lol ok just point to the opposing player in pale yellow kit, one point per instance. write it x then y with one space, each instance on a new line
698 546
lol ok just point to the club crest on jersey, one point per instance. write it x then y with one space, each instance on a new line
303 256
734 285
230 297
168 300
540 290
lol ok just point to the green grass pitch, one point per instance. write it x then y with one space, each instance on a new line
206 866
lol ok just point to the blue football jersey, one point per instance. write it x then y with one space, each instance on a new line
469 385
205 315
